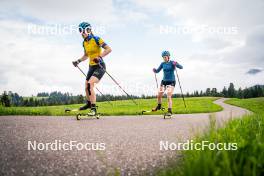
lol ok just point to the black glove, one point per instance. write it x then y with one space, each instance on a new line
75 63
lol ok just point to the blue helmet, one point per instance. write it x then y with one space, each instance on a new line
83 26
165 53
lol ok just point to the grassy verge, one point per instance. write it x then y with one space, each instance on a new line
126 107
248 159
255 105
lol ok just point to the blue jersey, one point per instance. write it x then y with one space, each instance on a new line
168 70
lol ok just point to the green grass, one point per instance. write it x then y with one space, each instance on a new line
253 104
125 107
248 159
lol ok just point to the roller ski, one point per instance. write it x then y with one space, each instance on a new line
71 110
157 108
168 114
93 113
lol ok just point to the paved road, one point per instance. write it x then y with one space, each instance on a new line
132 144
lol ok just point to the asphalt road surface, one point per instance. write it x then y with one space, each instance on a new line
127 145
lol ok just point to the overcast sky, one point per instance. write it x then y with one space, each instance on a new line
216 41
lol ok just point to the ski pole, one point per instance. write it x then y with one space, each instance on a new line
118 84
156 80
95 87
180 87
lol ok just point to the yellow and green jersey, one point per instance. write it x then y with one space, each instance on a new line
93 47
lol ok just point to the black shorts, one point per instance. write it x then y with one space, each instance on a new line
96 71
168 83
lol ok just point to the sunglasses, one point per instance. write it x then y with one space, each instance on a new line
81 30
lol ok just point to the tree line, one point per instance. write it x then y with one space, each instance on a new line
231 92
54 98
58 98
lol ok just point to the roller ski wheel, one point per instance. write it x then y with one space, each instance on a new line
167 115
78 117
67 110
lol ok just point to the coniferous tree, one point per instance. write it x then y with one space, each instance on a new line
231 92
5 99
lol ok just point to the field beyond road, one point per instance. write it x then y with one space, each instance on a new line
123 107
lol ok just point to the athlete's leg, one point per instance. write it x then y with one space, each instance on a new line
90 89
86 90
160 94
170 90
88 102
159 98
94 79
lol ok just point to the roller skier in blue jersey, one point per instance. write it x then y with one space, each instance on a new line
168 82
